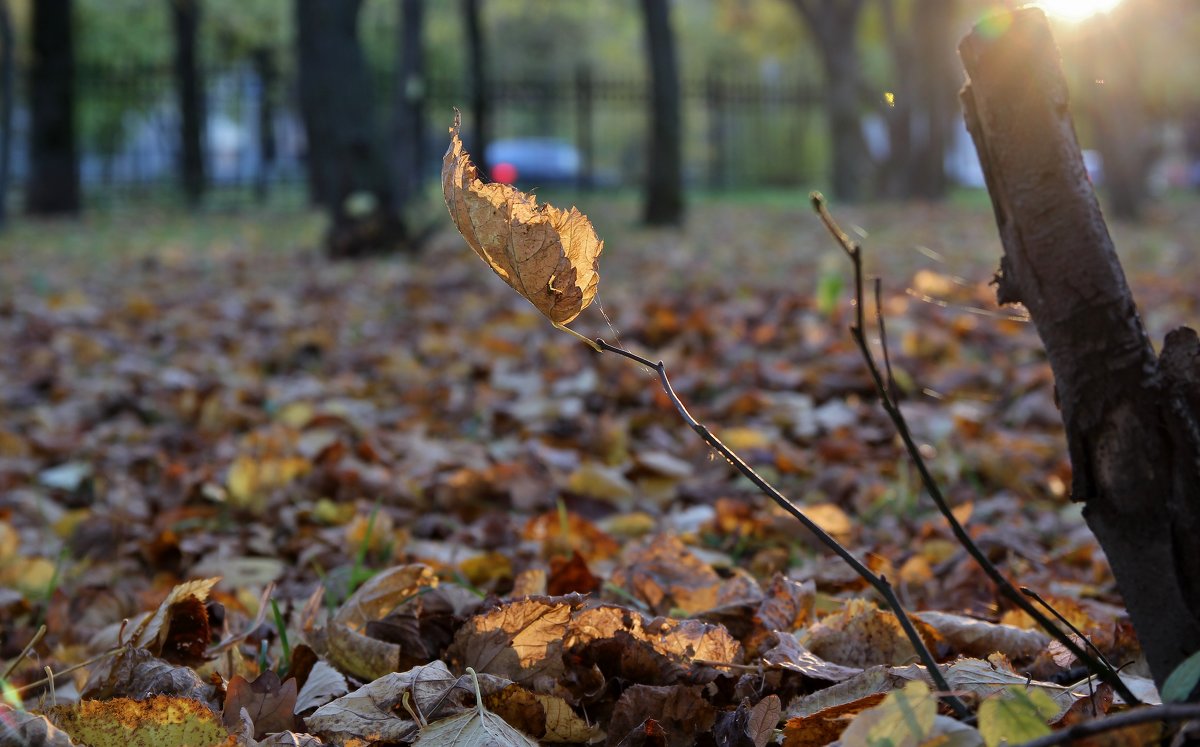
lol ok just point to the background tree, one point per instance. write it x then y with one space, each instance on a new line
345 156
477 83
834 27
410 103
7 84
53 158
664 155
189 87
924 79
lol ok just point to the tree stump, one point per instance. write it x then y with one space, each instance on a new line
1133 434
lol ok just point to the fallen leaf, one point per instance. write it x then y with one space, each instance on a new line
521 640
680 710
345 641
979 638
547 718
904 719
478 726
1015 715
159 720
267 702
549 256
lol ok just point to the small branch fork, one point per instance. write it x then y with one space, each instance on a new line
888 400
879 583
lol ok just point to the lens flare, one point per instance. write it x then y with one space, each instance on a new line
1075 10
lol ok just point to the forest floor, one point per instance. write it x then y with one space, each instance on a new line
204 424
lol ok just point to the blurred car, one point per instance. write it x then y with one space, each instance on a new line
534 161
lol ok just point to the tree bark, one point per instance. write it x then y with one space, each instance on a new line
189 87
7 84
346 158
263 59
664 156
410 103
834 26
54 161
1133 434
477 82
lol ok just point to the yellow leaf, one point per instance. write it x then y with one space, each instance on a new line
549 256
904 719
1016 715
122 722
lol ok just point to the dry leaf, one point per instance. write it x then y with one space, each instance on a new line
547 718
549 256
904 719
979 638
345 642
267 702
474 727
521 640
122 722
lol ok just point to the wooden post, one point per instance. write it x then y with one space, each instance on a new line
1131 428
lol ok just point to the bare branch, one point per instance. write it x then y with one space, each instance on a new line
879 583
1003 585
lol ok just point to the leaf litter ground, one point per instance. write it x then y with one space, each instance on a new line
472 489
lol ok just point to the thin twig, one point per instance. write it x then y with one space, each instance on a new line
879 583
1059 616
854 252
72 668
12 666
892 389
1170 712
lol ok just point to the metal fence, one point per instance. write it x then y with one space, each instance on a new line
737 133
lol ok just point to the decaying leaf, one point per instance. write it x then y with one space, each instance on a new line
345 642
177 630
521 640
624 643
666 575
681 710
324 683
861 635
159 720
478 726
136 673
547 718
979 638
787 653
549 256
23 727
267 702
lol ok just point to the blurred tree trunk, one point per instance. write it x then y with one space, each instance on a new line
895 173
189 86
1132 418
664 158
1118 117
7 84
53 158
834 26
263 59
477 83
346 157
410 103
937 80
925 85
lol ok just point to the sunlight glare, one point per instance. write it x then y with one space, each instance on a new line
1075 10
